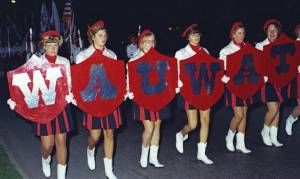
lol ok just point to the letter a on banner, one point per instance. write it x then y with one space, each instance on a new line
247 69
99 84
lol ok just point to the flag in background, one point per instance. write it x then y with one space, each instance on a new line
69 21
70 31
44 21
54 20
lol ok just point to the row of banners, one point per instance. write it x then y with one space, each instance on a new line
39 88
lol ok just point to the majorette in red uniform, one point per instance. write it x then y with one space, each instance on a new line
293 117
193 35
54 132
151 120
97 35
270 94
240 106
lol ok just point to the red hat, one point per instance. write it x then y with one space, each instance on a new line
188 30
51 36
51 33
98 23
146 31
235 26
271 21
297 28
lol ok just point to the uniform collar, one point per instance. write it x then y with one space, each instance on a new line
189 50
92 49
232 44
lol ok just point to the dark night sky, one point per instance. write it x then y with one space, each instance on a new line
214 17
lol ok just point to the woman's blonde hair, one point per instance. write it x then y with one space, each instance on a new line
51 39
141 39
93 30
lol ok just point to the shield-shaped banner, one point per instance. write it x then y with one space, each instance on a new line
246 70
39 89
298 52
201 77
99 84
153 80
281 57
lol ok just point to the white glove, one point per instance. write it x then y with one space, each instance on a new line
177 90
74 102
225 79
130 95
298 68
179 84
69 97
125 96
11 104
266 79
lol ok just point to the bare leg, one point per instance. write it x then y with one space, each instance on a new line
192 122
47 145
61 148
108 143
243 122
147 133
156 133
204 128
273 110
93 138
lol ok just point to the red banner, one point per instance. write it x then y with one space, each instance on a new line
246 70
153 80
38 89
282 60
99 84
201 77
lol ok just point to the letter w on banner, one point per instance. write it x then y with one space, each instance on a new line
99 84
283 60
39 89
246 70
201 77
153 80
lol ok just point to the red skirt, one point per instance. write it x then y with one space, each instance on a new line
111 121
63 123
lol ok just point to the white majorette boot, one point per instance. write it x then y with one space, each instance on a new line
229 140
273 133
186 137
109 169
153 156
61 171
91 158
144 156
179 142
201 154
265 133
289 124
240 143
46 166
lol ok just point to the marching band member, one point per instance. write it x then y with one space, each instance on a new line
54 132
97 35
293 117
151 120
131 47
193 35
240 106
271 94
